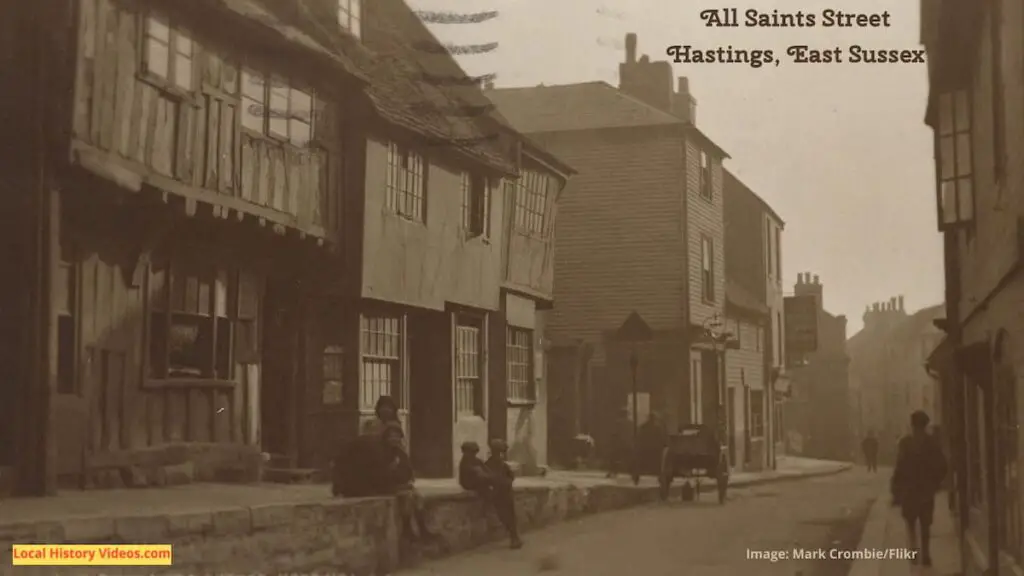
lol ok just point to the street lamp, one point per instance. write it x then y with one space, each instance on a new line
714 329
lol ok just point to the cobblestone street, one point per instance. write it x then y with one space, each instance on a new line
702 539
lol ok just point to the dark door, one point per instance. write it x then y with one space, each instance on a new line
328 415
277 394
711 399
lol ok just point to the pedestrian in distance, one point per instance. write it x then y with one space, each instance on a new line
870 448
920 473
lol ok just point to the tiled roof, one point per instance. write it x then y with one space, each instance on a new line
587 106
404 77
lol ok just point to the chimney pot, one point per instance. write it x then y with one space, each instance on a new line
874 307
902 309
816 280
631 48
683 85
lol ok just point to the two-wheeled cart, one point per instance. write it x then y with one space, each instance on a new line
695 452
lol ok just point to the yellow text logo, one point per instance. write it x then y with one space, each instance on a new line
90 555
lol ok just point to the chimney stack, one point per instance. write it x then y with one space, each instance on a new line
647 81
684 105
902 309
817 282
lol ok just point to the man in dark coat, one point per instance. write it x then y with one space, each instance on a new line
870 448
920 473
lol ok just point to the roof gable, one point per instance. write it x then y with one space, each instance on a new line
570 107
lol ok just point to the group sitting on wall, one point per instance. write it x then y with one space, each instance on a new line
376 463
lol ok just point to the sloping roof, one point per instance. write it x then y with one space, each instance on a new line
569 107
738 296
410 80
729 176
418 84
867 344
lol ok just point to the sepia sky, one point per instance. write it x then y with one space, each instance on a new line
839 150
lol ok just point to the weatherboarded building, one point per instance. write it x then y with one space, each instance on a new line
242 223
639 229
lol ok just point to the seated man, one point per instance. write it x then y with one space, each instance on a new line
399 479
377 465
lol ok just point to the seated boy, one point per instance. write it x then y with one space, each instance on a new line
473 474
500 477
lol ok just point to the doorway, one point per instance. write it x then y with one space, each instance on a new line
730 415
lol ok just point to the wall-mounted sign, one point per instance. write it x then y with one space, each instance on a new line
801 325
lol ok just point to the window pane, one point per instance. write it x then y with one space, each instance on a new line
963 111
946 114
252 114
183 72
252 86
948 198
965 198
158 29
947 158
157 55
183 44
963 154
278 122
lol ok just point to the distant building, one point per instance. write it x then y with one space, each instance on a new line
753 270
975 80
887 374
818 414
640 228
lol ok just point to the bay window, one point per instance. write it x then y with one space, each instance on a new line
955 160
202 321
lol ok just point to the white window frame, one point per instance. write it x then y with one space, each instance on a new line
406 183
379 357
350 16
520 377
469 355
954 153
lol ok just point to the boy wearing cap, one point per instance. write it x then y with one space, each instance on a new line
501 489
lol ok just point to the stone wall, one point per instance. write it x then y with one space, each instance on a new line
357 536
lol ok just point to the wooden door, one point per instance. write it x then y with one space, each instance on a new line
326 412
76 371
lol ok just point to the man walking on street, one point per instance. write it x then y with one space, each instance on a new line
870 448
919 474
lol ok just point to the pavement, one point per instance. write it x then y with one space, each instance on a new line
216 497
696 539
885 530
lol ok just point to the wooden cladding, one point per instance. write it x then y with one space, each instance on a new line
161 102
